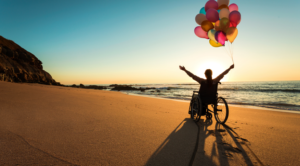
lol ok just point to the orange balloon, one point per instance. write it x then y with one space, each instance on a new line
217 26
223 6
200 18
231 34
207 25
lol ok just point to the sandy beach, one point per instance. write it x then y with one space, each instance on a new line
54 125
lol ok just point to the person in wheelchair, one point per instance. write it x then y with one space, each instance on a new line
208 88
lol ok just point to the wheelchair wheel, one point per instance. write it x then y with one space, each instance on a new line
196 108
221 110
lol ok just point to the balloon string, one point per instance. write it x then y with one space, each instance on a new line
231 45
228 52
231 51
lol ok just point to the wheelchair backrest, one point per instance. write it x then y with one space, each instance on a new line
208 94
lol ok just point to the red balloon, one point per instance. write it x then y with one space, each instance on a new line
212 15
235 17
211 4
232 24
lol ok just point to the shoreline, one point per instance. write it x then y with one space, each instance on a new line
275 97
100 87
234 105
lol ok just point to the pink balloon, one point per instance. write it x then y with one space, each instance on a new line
220 37
212 15
200 32
235 18
233 7
211 4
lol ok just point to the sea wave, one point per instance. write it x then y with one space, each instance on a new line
276 95
261 90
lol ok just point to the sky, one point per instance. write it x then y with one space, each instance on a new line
145 41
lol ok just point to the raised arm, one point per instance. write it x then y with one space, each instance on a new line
223 74
196 78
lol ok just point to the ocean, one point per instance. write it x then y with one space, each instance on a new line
281 95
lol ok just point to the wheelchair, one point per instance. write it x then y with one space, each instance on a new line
206 102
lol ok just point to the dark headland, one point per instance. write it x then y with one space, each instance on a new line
20 66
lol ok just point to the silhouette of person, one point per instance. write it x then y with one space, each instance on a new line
208 81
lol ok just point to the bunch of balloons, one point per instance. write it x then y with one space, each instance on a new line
218 21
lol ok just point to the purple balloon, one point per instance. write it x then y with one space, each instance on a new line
211 4
212 15
220 37
200 32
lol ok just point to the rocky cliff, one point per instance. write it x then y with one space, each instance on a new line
19 65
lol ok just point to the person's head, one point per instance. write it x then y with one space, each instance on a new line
208 74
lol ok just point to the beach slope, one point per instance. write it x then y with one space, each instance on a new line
53 125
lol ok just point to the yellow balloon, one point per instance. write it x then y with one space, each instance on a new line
231 34
215 44
211 35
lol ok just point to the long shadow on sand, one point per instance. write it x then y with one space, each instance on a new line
178 147
205 144
221 145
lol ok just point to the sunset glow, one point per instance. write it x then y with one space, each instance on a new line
216 67
99 42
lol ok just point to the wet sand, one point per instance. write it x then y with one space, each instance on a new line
51 125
